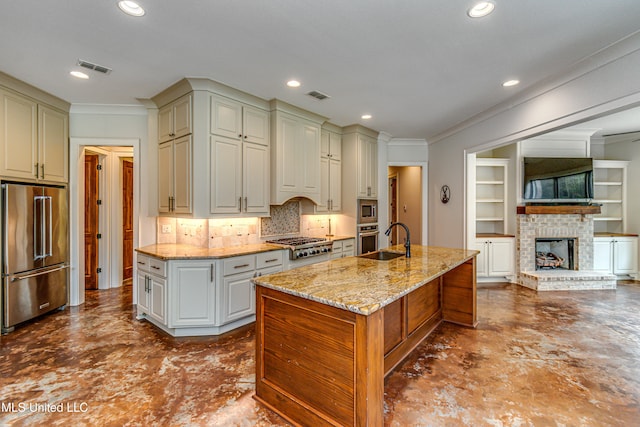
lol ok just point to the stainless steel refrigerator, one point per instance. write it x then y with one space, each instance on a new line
35 254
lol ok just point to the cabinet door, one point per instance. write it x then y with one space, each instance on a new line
182 175
18 136
255 126
625 255
348 248
501 254
142 293
165 123
364 167
158 298
335 185
255 166
165 176
192 294
226 117
288 160
372 169
481 259
335 146
238 297
182 116
309 161
603 255
325 185
226 174
54 144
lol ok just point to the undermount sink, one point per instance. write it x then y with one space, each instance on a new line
382 255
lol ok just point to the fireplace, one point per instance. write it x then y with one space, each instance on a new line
568 236
555 253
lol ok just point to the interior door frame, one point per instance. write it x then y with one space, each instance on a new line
76 207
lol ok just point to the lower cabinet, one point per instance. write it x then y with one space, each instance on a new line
496 258
343 248
201 296
616 254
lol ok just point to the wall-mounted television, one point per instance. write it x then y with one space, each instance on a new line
558 180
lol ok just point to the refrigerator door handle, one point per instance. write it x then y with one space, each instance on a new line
47 219
38 228
38 273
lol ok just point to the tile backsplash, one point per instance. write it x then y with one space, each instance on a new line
285 220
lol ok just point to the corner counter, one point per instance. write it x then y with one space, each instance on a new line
328 334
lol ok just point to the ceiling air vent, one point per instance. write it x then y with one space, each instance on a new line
94 67
318 95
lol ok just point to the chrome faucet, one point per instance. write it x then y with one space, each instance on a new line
407 241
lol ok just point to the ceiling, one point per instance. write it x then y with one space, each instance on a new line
418 67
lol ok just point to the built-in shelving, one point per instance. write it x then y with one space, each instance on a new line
609 182
491 195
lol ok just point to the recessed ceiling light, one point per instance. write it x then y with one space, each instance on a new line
481 9
131 8
510 83
366 116
293 83
79 74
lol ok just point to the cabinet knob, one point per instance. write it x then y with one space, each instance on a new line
239 135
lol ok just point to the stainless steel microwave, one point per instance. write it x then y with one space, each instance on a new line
367 211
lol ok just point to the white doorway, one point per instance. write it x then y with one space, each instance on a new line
112 151
405 196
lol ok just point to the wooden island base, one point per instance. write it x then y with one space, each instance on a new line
319 365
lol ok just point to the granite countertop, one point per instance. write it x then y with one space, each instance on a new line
169 251
364 285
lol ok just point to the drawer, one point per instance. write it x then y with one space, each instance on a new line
143 262
348 245
337 246
268 259
158 267
239 264
267 271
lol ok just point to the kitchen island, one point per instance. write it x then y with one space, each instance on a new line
328 334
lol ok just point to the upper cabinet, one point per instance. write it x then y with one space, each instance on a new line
214 150
330 170
360 153
34 136
295 160
610 189
174 119
239 150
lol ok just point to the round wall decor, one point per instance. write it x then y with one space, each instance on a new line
445 194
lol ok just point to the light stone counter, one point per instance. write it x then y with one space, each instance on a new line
169 251
362 285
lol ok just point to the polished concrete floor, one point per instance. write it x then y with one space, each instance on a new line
536 359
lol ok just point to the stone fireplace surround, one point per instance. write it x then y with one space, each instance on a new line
530 226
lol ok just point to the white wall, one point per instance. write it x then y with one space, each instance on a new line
603 83
110 126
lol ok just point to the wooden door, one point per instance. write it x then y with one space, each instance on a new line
91 221
127 220
393 208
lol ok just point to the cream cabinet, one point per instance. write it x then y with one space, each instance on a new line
174 119
152 289
616 254
234 119
496 258
195 297
343 248
175 176
360 158
330 172
295 159
192 293
34 139
239 158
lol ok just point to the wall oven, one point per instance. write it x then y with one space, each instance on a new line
367 239
367 211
